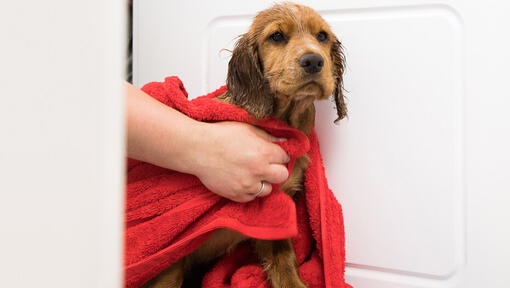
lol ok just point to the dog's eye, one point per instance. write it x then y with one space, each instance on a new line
322 36
277 37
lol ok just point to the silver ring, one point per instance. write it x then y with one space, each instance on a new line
261 189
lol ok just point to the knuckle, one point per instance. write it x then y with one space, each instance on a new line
259 170
265 153
262 151
245 185
255 154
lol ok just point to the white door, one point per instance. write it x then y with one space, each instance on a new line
421 166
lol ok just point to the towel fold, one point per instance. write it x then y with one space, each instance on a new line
169 214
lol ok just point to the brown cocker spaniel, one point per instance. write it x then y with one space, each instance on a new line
288 59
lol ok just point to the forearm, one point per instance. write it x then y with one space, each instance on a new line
158 134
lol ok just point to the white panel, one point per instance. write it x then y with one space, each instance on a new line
220 43
396 159
414 166
62 143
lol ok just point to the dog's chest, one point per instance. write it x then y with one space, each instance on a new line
221 242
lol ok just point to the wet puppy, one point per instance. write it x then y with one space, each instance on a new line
288 59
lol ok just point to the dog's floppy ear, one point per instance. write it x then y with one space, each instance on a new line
245 79
338 67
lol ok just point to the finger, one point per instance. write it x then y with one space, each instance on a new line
266 190
275 173
268 137
279 139
264 135
277 155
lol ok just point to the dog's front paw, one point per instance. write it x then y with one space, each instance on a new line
292 282
280 263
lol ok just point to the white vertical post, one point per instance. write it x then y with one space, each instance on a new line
61 143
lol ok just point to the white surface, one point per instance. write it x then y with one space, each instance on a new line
402 145
421 166
61 143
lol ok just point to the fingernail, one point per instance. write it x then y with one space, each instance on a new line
280 140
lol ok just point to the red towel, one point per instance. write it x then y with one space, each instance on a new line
169 214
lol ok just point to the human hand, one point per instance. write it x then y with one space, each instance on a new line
232 158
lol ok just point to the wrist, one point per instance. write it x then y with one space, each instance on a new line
194 150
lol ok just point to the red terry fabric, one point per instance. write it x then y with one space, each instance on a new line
169 214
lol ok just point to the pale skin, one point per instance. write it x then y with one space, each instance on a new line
230 158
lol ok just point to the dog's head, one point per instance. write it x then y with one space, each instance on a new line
289 52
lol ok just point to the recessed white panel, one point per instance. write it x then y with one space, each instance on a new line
395 162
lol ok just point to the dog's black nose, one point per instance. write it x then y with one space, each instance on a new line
311 62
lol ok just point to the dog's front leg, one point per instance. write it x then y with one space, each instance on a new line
279 262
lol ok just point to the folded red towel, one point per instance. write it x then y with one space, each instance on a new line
169 214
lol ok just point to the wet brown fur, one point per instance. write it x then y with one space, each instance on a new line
265 79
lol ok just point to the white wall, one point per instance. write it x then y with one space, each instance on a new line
61 143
